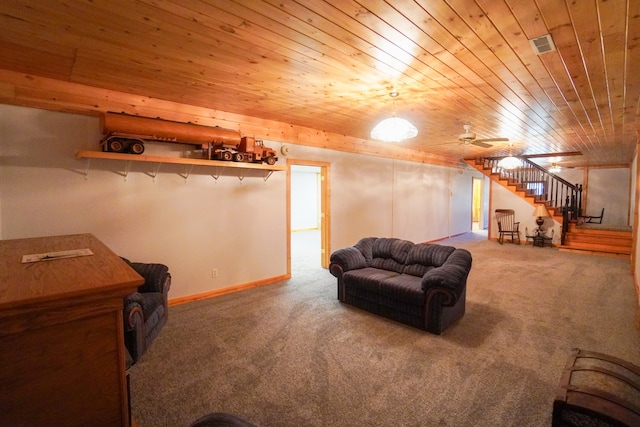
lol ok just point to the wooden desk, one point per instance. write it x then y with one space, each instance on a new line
62 354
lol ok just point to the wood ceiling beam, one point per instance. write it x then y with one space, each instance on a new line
559 154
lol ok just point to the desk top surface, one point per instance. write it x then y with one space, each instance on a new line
29 283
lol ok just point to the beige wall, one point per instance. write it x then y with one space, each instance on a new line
198 223
609 188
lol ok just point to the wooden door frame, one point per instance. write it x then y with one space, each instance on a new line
480 200
325 209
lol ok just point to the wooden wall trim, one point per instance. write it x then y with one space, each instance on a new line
50 94
227 290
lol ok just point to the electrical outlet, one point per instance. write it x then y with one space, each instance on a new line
214 273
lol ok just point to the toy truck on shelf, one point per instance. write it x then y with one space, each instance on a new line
248 150
127 134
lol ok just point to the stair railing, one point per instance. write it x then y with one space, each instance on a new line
546 187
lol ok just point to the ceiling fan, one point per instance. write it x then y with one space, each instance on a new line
469 137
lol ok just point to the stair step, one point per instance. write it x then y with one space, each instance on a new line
605 239
565 248
598 240
599 247
601 232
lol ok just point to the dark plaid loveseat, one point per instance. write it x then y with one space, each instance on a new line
422 285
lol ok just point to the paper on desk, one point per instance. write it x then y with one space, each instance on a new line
49 256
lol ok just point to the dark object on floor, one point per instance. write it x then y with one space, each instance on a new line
597 390
422 285
220 419
507 225
591 219
146 311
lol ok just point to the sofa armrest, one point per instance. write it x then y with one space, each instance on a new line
451 276
134 298
346 259
134 327
133 314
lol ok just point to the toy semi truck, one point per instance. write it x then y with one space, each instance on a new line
248 150
127 134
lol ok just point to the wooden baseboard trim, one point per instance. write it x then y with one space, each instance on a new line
227 290
445 238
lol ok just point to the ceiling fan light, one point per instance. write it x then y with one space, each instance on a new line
394 129
509 162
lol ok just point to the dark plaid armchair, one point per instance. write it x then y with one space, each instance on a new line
146 311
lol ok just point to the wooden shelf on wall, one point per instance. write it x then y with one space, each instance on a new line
90 154
84 154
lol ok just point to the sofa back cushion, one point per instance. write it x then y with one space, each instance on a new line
425 256
390 253
365 245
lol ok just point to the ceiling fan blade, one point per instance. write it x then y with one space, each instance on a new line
492 140
479 143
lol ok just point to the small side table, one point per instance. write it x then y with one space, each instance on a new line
540 239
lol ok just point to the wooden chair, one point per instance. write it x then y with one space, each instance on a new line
592 219
507 225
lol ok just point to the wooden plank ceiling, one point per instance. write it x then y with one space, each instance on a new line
331 64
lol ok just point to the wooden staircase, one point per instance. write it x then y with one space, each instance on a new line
587 238
597 240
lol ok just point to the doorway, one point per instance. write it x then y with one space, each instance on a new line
307 214
476 208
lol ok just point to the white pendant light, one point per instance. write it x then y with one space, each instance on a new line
394 129
509 162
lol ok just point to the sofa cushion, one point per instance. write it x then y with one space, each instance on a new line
403 287
368 278
365 246
152 302
425 256
390 254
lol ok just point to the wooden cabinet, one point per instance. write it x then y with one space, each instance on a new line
62 353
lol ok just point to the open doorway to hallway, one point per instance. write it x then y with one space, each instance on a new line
308 219
480 208
476 209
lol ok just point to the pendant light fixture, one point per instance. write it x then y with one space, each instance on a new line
555 168
509 162
394 129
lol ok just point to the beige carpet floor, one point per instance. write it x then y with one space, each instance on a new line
289 354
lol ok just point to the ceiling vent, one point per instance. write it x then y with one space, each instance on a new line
542 44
